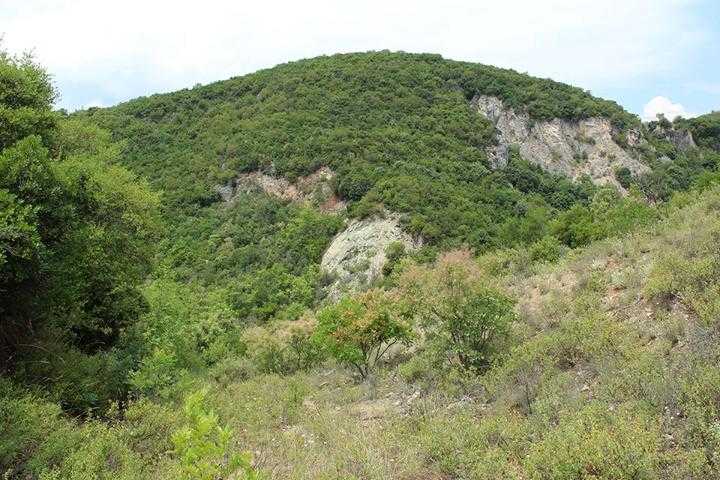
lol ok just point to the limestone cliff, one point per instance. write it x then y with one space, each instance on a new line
572 148
314 189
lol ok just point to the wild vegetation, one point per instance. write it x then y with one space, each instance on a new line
548 329
705 129
398 132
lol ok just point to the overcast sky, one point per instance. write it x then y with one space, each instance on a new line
649 55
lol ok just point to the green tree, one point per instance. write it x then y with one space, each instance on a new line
359 331
77 233
465 319
26 97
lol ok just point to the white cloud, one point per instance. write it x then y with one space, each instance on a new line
663 105
113 49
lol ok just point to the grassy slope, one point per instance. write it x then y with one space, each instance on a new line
613 374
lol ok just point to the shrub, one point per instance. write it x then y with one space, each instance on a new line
607 215
203 445
547 249
26 421
188 327
358 331
393 253
284 348
472 324
624 176
597 444
688 268
264 350
465 320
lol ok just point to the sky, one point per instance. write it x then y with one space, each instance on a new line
651 56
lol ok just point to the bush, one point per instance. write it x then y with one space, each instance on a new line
26 422
203 446
547 249
688 267
608 215
393 253
597 444
283 348
465 320
188 327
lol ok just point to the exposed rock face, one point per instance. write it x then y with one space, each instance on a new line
572 148
356 256
682 139
314 189
635 138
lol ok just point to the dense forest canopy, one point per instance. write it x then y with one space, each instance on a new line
371 117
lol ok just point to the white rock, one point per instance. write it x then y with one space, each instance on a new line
356 256
571 148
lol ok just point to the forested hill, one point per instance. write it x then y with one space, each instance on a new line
395 127
705 129
400 133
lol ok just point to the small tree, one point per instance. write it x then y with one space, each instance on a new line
472 325
358 331
202 446
463 318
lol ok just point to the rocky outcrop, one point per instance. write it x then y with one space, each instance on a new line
571 148
355 258
681 139
314 189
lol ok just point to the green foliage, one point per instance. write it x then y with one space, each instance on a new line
265 252
284 348
203 444
76 241
187 327
24 419
547 249
607 215
358 331
397 132
394 253
26 98
597 444
705 129
689 269
624 177
597 372
686 170
262 294
395 128
20 239
465 320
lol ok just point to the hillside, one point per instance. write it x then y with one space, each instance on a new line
364 266
610 372
705 129
407 134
